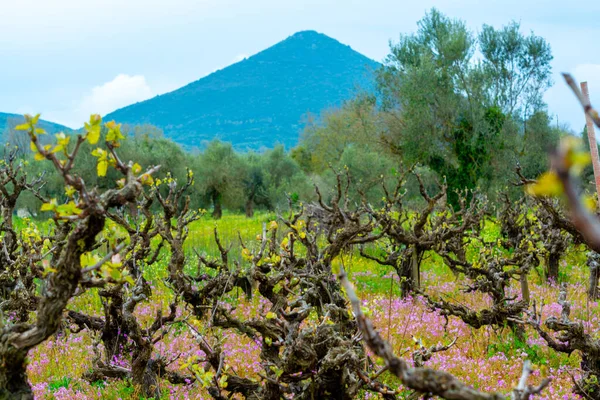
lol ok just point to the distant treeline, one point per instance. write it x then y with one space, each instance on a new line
463 120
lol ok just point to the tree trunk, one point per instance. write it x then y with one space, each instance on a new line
525 288
250 208
142 373
114 331
409 271
114 344
552 267
593 285
415 268
10 235
217 210
593 262
518 331
13 378
588 385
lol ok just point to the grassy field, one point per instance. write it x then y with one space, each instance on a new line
486 358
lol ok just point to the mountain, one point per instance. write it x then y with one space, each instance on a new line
9 120
261 100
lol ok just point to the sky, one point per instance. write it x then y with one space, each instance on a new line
69 58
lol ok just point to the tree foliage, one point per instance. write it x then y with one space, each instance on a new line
456 115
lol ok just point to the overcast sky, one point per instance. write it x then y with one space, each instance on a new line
69 58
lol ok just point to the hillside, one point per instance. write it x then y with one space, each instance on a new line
7 120
261 100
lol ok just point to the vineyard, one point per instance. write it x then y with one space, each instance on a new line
489 358
127 292
433 232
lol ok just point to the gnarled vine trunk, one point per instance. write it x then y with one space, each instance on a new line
409 270
552 267
13 381
593 262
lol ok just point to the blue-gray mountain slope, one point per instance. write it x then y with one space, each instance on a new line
10 120
261 100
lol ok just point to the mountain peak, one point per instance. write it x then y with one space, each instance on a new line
310 35
261 101
309 40
307 33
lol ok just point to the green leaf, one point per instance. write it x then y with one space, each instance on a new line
102 167
51 206
62 139
93 134
114 133
47 207
129 280
69 191
34 120
115 273
136 168
99 153
88 259
146 179
271 315
92 129
68 209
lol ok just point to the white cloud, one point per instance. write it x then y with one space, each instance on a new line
102 99
120 92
